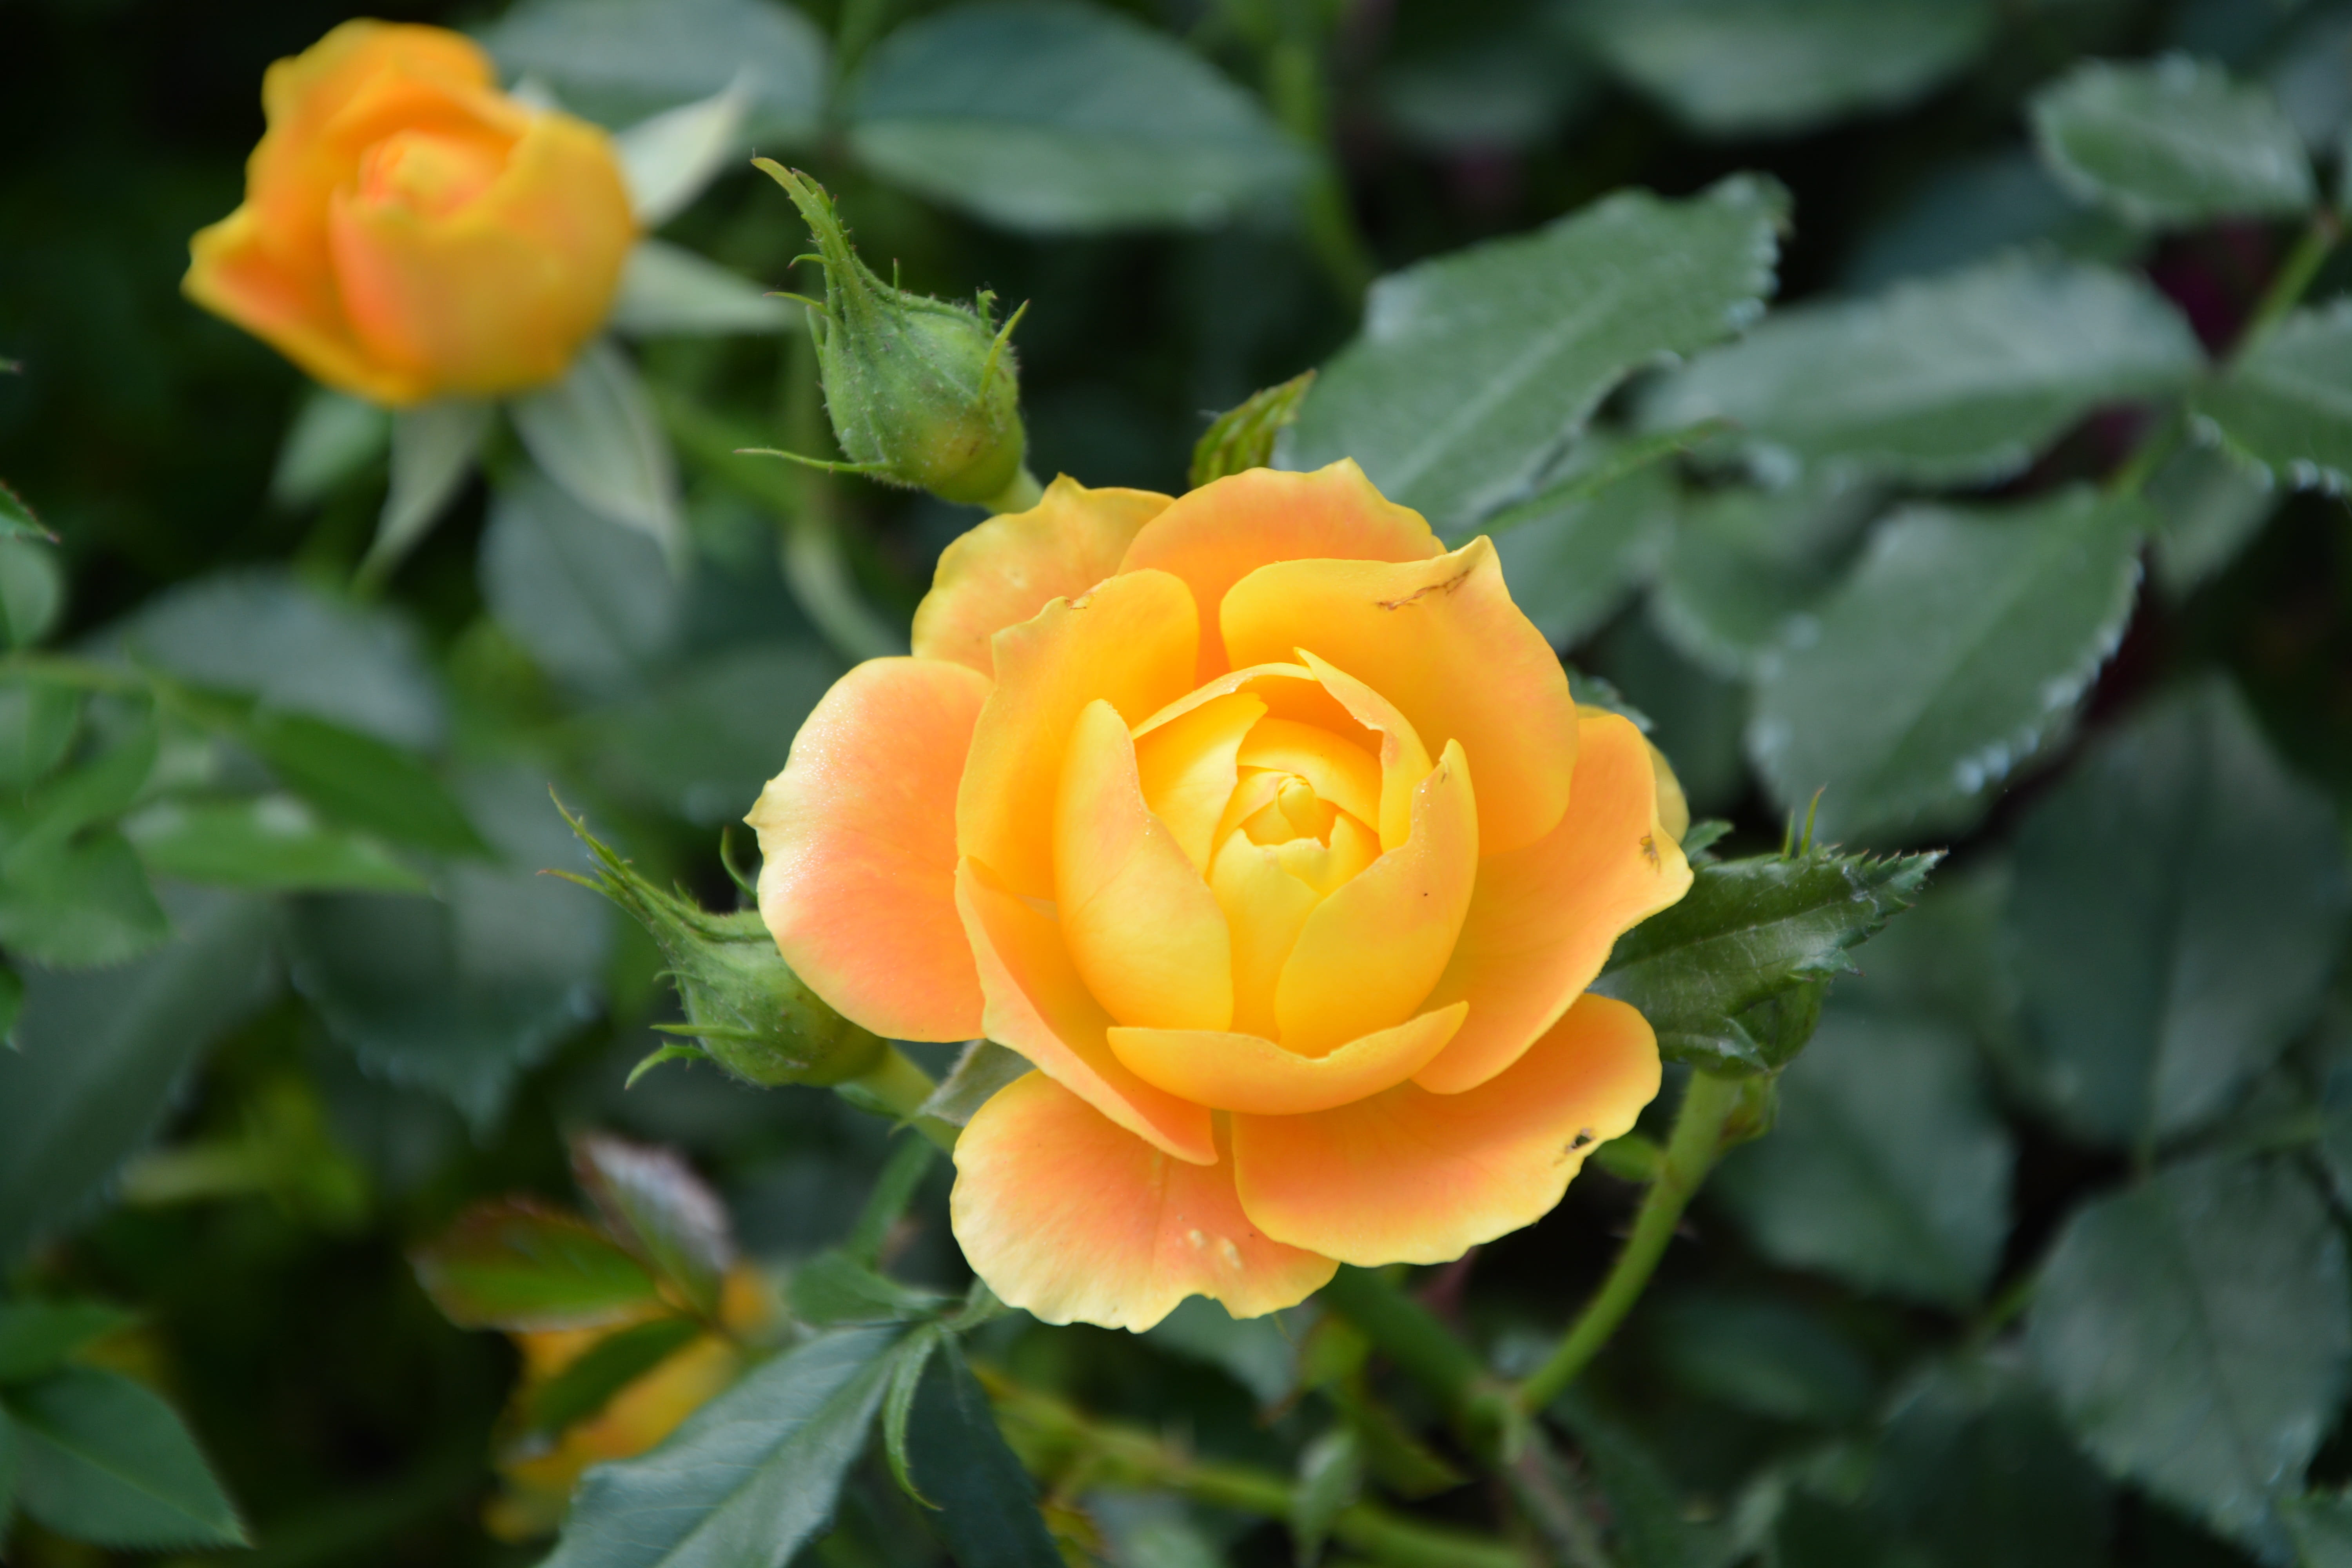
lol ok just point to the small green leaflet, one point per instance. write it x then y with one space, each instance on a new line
1474 368
1747 931
103 1460
2171 142
2287 403
513 1263
2196 1330
1956 379
984 1067
36 1336
17 519
1963 637
1243 437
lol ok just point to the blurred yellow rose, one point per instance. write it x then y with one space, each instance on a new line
1266 830
408 230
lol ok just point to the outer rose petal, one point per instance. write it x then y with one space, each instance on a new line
233 273
1008 568
1129 643
1141 926
499 294
1244 1072
1442 640
1542 918
1370 953
1038 1007
1074 1220
1404 760
1227 529
1414 1177
857 835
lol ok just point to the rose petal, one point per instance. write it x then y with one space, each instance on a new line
1542 918
1265 908
1219 533
1141 926
857 846
1341 771
235 274
1073 1220
1409 1177
1370 953
1188 768
1037 1006
1246 1072
1442 641
1006 569
1404 760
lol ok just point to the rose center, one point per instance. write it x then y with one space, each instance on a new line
429 173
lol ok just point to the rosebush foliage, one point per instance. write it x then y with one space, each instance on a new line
1929 418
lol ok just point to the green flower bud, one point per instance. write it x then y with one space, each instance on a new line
922 392
745 1008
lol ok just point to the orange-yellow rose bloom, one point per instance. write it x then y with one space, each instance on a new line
408 230
1266 830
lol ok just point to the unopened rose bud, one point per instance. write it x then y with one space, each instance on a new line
923 393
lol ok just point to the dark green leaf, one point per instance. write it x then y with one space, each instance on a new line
1572 554
620 60
2195 1329
333 436
2210 506
361 781
2321 1528
9 1446
1260 1353
1242 438
36 1336
588 1383
1330 1478
1649 1526
653 1204
984 1067
1949 380
270 841
2179 902
587 598
902 1176
1961 640
986 1508
1746 563
1974 1469
100 1055
1748 930
1887 1167
749 1479
1776 67
1052 117
12 1005
78 903
32 589
2288 403
2171 142
835 1287
38 722
1473 369
103 1460
514 1264
1762 1354
1976 207
703 741
908 1362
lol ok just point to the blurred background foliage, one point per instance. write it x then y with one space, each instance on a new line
2042 1264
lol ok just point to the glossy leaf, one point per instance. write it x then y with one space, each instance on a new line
1474 368
667 290
2195 1329
101 1459
749 1479
1747 931
361 780
2210 506
653 1204
1958 379
2179 902
270 841
1049 117
1570 558
1745 564
1961 639
36 1336
1243 437
2288 403
434 447
37 724
589 1382
100 1056
835 1287
518 1265
586 597
333 436
1777 66
595 433
32 590
1887 1167
619 61
2171 142
986 1506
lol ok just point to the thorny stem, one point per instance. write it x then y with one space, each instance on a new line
1691 1152
897 1087
1296 86
1046 1432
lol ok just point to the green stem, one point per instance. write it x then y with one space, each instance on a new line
1691 1152
1054 1437
1426 1350
2158 444
1022 493
2294 275
897 1087
814 566
1296 86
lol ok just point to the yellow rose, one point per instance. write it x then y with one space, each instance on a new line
1267 830
408 230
